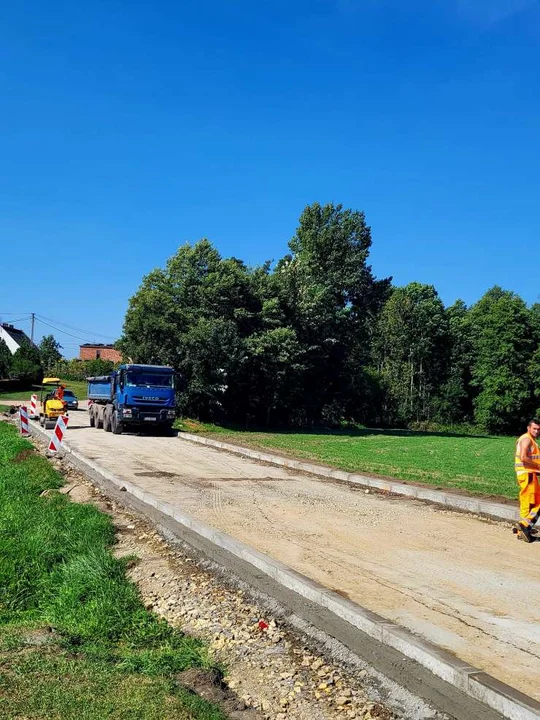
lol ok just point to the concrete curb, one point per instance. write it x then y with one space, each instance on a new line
499 511
509 702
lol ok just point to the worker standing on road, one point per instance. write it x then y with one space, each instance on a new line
527 465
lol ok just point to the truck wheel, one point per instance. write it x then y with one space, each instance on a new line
92 418
107 420
99 417
117 427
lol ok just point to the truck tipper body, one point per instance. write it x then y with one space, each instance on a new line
132 397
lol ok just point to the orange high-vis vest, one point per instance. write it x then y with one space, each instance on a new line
533 455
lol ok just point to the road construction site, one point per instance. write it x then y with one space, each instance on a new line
460 581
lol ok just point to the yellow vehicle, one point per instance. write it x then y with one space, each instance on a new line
51 405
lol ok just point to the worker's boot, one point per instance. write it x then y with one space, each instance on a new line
524 532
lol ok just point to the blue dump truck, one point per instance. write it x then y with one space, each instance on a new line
133 397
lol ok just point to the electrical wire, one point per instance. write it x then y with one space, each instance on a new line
26 317
63 332
53 324
74 327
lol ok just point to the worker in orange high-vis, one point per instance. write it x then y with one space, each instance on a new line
60 392
527 465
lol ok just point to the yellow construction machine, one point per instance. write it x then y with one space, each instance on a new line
52 406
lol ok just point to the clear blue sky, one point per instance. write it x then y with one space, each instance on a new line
129 127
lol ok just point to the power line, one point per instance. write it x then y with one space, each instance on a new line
53 324
63 332
74 327
26 317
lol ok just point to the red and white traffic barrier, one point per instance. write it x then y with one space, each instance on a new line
58 433
23 417
33 414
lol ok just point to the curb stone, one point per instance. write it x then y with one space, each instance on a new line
499 696
477 506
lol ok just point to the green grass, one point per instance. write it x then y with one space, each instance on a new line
475 464
79 387
75 638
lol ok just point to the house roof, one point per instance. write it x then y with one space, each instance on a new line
18 336
96 345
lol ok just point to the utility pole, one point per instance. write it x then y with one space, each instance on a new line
32 333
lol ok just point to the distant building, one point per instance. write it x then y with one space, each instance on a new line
13 337
93 351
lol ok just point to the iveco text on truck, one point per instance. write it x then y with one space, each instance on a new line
132 397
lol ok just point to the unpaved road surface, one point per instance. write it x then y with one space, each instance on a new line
465 584
271 669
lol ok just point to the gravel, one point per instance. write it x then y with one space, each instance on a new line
275 672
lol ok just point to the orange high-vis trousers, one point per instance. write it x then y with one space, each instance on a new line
529 497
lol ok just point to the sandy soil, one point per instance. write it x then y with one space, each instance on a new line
462 582
271 672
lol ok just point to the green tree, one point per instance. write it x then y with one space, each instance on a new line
50 353
26 364
409 350
257 345
77 369
534 313
212 347
504 344
453 402
330 299
5 360
534 373
274 364
195 315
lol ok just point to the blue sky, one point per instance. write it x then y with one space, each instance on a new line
128 128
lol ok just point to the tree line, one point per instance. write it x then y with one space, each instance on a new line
25 365
316 339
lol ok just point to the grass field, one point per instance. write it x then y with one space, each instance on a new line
80 389
475 464
75 639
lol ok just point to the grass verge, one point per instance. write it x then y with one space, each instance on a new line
481 464
75 638
79 387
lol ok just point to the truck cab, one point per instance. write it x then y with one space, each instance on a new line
133 395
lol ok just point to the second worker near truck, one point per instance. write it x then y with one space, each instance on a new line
527 466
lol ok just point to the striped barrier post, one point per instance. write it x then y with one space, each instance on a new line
23 417
58 433
33 407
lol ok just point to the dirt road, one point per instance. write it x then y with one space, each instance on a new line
466 584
